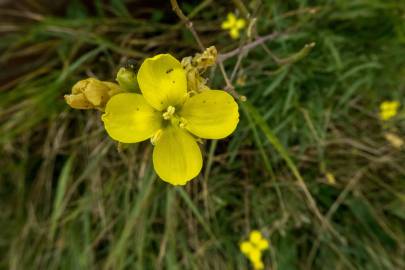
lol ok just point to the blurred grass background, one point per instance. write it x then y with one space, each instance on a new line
70 200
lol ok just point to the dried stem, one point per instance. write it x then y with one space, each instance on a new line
229 87
187 22
247 47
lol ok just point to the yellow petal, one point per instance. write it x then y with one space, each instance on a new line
255 255
258 265
263 244
176 156
129 118
78 101
240 23
113 88
255 236
212 114
246 247
162 81
226 25
234 32
231 18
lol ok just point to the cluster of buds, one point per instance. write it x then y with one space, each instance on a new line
253 249
195 66
92 93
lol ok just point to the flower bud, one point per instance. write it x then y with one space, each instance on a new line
127 79
91 93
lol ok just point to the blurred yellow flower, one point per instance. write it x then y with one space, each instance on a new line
257 239
234 25
394 140
254 247
330 178
389 109
170 117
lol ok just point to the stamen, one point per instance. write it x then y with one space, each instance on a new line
182 123
169 112
156 137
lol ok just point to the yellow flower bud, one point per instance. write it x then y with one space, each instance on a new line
127 79
91 93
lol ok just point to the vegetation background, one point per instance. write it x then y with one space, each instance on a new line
70 200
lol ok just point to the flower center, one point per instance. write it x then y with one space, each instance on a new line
172 118
168 114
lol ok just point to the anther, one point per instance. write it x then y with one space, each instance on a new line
182 123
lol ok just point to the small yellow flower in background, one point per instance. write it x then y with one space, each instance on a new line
234 25
254 247
388 109
394 140
166 113
330 178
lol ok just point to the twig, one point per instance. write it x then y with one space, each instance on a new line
242 53
187 22
247 47
229 87
342 196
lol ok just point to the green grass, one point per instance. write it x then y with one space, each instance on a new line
70 200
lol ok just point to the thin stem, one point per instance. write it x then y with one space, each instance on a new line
247 47
229 87
187 22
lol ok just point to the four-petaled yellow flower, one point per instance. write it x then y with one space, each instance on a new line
234 25
171 117
388 109
254 247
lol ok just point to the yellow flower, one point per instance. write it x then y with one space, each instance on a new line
388 109
254 247
234 25
170 117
